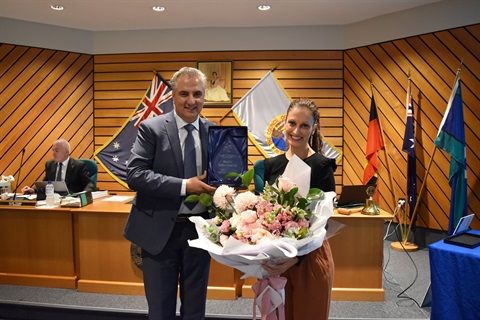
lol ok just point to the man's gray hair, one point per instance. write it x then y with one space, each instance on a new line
188 72
64 143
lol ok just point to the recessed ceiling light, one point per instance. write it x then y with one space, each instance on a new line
264 7
158 8
57 7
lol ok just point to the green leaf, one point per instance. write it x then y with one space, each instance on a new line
247 178
293 192
206 199
314 193
233 175
303 233
203 198
193 198
302 203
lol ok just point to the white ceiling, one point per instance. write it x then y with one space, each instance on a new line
116 15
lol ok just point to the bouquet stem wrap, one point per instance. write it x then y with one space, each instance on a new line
270 297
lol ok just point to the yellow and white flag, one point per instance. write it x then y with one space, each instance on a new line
263 110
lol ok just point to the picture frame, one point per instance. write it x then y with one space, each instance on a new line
219 82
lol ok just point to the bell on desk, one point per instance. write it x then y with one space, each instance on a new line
370 206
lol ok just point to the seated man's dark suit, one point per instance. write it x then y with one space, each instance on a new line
77 177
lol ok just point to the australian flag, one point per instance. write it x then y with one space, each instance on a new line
114 154
409 149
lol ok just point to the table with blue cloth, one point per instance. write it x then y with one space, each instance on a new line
455 281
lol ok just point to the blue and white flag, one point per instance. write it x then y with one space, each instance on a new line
263 110
114 154
451 138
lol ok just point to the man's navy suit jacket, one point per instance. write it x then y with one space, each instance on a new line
155 172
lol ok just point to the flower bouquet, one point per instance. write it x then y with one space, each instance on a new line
287 220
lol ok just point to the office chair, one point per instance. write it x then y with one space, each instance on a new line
258 175
93 169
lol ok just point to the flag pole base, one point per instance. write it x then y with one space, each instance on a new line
407 246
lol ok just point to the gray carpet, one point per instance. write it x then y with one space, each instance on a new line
406 279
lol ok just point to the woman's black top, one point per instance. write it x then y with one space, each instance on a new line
321 176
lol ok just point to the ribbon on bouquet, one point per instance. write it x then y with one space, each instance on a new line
270 297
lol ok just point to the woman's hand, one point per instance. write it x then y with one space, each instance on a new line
280 266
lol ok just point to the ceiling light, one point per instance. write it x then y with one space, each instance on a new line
57 7
158 8
264 7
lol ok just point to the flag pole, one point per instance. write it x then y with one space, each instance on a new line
415 210
403 220
385 149
404 245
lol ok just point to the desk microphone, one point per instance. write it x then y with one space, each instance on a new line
18 177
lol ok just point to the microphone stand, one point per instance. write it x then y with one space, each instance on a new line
18 177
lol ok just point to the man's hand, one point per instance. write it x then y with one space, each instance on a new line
280 267
195 185
27 190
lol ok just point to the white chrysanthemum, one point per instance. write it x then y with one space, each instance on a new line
222 196
244 201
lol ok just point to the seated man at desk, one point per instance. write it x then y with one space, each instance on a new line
63 168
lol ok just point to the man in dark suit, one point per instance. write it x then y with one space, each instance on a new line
63 168
158 221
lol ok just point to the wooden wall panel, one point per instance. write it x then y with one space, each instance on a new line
432 61
47 94
121 80
44 95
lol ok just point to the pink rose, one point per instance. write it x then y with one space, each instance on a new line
285 184
249 216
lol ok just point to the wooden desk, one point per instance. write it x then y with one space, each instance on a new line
82 248
58 247
37 247
358 254
103 256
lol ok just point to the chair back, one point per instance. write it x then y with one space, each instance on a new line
93 169
258 175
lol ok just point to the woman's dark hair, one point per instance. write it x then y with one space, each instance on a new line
315 141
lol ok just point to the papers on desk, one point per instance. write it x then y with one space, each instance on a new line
20 196
118 198
99 194
43 205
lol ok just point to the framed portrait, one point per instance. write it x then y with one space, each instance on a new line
219 81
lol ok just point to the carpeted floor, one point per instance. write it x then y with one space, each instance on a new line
406 279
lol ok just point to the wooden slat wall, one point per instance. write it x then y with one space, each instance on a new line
432 61
121 81
85 100
44 95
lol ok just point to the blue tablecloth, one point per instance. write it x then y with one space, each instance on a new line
455 281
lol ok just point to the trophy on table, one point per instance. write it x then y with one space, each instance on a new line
370 206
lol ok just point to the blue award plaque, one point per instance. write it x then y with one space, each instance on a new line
227 153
